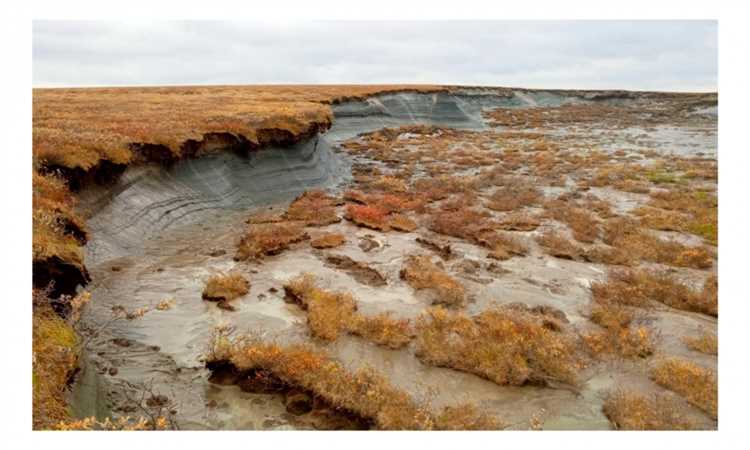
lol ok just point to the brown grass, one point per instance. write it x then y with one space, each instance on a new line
516 194
313 208
555 244
705 342
400 222
262 240
331 313
373 217
639 288
519 222
57 230
328 240
584 226
225 287
421 273
630 410
503 246
697 384
81 127
55 357
363 392
507 346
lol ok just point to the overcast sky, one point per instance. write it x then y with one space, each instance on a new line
648 55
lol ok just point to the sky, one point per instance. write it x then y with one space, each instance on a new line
638 55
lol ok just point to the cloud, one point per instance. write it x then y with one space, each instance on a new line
649 55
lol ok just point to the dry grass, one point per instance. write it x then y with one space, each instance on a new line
614 309
584 226
81 127
383 329
639 288
328 240
373 217
507 346
421 273
555 244
225 287
55 357
519 222
57 230
400 222
630 410
331 313
268 239
697 384
313 208
363 392
705 342
516 194
503 246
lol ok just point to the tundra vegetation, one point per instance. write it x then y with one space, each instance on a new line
545 184
362 392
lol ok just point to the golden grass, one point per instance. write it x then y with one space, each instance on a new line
363 392
697 384
57 230
584 226
82 127
262 240
421 273
400 222
519 222
630 410
705 342
373 217
639 288
313 208
507 346
555 244
328 240
55 357
620 334
225 287
331 313
516 194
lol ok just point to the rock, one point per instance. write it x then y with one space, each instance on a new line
113 371
358 270
367 244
